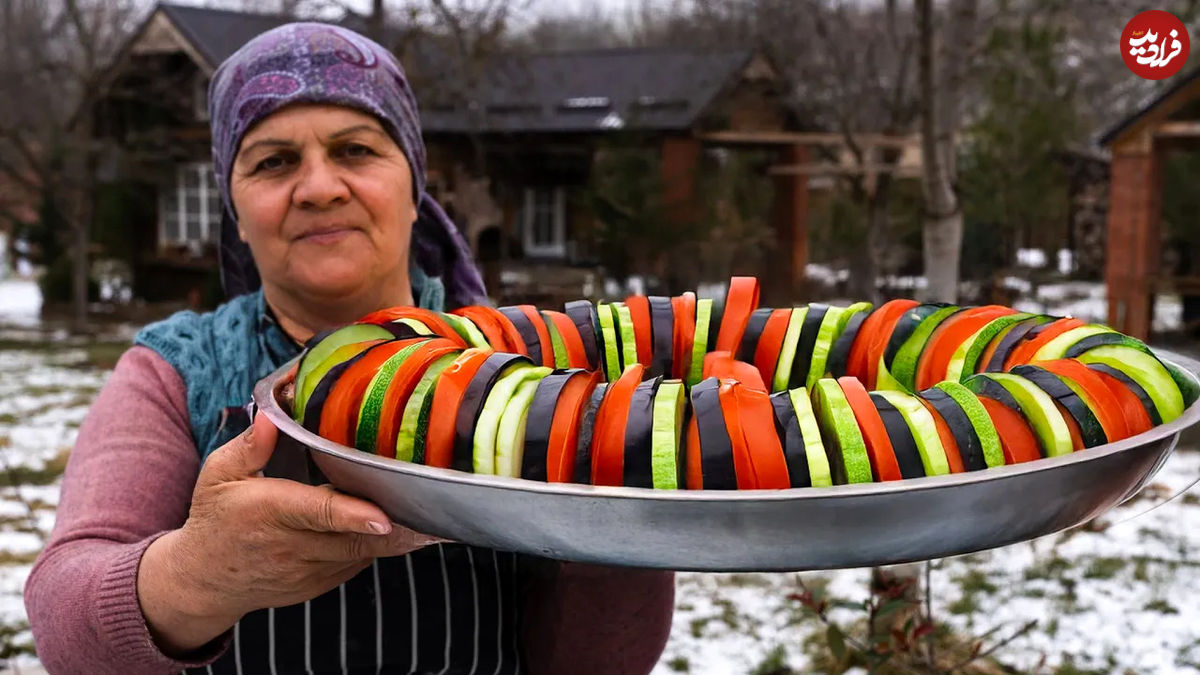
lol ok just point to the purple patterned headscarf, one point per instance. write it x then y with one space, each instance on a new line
322 63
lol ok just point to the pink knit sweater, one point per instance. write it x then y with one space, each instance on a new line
130 480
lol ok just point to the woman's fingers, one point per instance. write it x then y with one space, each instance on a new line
328 547
322 509
243 457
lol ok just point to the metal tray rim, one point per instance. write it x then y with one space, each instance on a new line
264 397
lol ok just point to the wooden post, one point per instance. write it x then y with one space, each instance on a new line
786 284
1133 245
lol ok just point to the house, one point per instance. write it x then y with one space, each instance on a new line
510 149
1140 143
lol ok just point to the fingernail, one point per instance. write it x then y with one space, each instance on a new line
379 528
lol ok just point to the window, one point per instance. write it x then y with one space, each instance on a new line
200 97
189 213
544 221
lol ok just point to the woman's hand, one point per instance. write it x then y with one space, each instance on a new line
252 542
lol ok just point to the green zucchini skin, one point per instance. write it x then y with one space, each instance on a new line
316 402
965 436
985 386
906 326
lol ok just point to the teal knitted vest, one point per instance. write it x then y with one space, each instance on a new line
221 354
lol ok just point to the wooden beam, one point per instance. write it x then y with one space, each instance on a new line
832 168
802 138
1178 129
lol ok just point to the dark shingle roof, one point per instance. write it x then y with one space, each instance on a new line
592 90
579 91
218 33
1180 82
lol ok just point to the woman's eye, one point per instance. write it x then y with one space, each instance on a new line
271 163
356 150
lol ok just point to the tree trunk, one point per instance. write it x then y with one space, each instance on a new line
81 223
939 117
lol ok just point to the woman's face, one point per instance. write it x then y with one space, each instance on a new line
324 199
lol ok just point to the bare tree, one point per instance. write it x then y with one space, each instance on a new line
57 55
940 116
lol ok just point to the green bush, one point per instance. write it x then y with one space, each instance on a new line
56 282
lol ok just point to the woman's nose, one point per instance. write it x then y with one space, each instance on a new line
319 185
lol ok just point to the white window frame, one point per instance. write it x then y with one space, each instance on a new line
205 189
557 248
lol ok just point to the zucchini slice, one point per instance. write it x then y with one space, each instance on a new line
700 342
639 436
1048 424
809 330
1060 345
1089 425
788 352
965 436
924 431
469 410
410 440
903 366
839 353
904 444
314 363
981 421
1147 371
487 426
839 430
966 356
666 444
610 351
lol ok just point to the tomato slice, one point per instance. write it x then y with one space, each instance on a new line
339 416
1016 438
890 313
695 475
936 356
684 307
743 467
428 317
439 439
608 441
543 333
564 428
1137 419
722 365
576 354
740 303
1023 353
396 396
879 445
491 328
949 443
639 311
758 426
1102 401
766 354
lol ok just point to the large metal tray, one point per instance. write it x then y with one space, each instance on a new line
756 530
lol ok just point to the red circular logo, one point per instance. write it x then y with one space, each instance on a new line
1155 44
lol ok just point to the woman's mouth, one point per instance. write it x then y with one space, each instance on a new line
327 236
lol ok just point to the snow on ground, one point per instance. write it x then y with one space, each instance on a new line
20 302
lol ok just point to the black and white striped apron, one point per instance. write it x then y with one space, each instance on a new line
447 608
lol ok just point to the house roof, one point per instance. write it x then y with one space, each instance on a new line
218 33
594 90
569 91
1180 83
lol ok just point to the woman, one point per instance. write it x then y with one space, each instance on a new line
173 551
